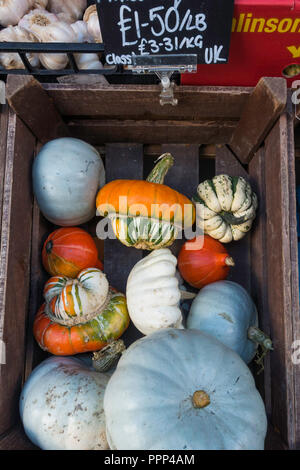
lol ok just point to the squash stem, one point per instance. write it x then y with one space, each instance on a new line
229 261
185 295
200 399
106 358
258 336
163 164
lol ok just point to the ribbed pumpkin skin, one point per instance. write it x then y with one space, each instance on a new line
86 337
203 261
148 400
226 207
69 250
166 208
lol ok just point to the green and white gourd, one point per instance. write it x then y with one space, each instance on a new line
225 310
183 390
226 207
143 232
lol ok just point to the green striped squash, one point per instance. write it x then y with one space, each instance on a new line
226 207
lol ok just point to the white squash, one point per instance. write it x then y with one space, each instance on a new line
183 390
226 207
153 294
61 406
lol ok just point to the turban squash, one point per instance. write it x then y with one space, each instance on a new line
80 315
146 214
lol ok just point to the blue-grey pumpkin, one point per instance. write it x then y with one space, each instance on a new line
183 390
67 174
225 310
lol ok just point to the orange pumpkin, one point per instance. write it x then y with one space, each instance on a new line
152 214
203 260
69 250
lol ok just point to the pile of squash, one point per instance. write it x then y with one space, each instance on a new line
185 385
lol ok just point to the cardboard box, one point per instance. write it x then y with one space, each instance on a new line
265 41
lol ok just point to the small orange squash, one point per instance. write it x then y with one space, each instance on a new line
69 250
203 260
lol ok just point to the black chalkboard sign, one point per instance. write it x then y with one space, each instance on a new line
162 27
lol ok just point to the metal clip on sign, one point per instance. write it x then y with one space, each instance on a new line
164 66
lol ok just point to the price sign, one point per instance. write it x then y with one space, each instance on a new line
166 27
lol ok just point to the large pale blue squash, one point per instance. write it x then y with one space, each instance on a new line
225 310
67 174
183 390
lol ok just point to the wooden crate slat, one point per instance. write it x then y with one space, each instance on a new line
281 310
15 266
38 277
294 269
227 163
153 132
259 284
16 439
3 138
261 111
142 102
184 176
36 109
123 161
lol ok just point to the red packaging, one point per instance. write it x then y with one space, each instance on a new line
265 40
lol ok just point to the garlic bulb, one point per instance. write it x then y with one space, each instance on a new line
11 11
91 18
37 21
39 4
47 27
67 10
10 60
81 31
88 61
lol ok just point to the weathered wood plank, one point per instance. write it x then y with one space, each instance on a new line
33 105
294 270
259 283
279 270
142 102
226 163
38 276
122 162
205 151
15 266
3 138
16 440
152 132
184 176
260 112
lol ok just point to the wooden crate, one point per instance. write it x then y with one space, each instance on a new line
239 131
